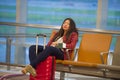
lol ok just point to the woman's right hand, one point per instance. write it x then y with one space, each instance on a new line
54 44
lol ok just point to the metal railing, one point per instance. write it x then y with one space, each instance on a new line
57 27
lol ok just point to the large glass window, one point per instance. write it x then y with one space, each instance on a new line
7 14
8 10
113 22
53 12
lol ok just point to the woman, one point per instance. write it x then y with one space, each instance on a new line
65 38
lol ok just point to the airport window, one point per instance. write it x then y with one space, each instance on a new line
53 12
8 10
113 18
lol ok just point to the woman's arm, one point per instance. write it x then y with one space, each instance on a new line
70 43
51 37
73 40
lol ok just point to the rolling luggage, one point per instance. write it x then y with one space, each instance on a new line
46 69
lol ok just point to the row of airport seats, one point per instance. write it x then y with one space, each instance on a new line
92 57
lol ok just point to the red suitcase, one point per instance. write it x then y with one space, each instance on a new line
46 69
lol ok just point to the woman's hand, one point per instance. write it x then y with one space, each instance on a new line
54 44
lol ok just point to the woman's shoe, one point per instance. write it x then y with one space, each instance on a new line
29 69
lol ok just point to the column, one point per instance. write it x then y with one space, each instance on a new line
102 13
20 50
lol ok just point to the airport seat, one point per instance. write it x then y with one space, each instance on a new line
94 48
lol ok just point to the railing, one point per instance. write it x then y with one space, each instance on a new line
57 27
9 41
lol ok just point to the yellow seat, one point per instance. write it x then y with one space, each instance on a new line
92 45
90 49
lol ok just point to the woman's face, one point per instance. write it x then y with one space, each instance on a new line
66 25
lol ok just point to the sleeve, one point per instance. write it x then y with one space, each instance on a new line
50 42
73 40
51 38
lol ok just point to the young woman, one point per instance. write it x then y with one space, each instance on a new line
65 38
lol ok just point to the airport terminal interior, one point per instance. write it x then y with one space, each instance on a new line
21 21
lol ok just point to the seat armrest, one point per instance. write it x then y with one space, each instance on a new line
74 56
68 55
102 56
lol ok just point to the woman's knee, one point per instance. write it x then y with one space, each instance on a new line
50 48
32 47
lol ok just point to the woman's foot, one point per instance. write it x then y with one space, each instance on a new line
29 69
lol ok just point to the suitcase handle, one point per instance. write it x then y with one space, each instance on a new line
44 43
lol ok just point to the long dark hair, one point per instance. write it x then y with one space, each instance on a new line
72 28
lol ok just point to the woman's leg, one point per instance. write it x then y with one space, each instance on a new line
49 51
40 57
32 52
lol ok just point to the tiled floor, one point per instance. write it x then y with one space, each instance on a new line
68 76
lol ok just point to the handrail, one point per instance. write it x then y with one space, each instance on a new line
9 42
57 27
22 35
28 25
